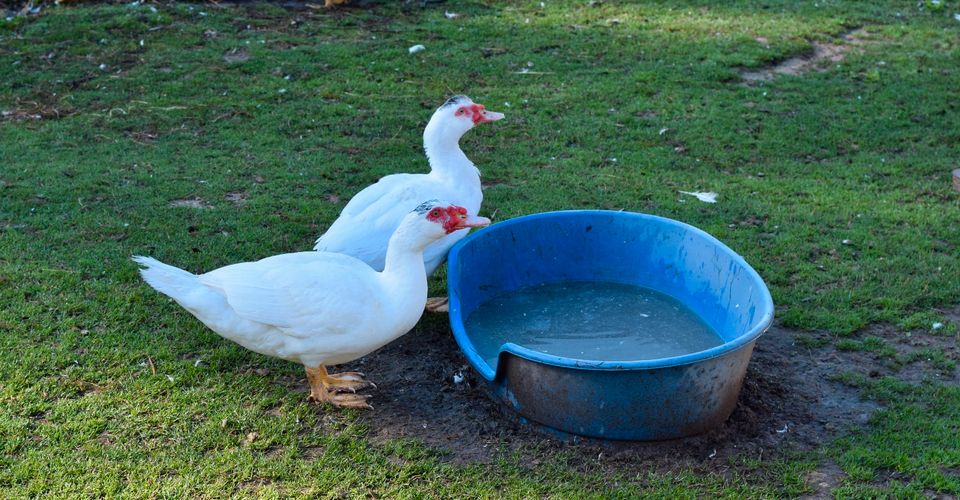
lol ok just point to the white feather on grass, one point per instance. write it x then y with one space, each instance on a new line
709 197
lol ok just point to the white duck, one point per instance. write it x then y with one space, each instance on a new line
318 308
368 220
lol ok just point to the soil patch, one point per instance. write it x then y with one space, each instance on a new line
823 480
916 353
953 315
238 198
236 55
45 107
790 401
190 203
817 59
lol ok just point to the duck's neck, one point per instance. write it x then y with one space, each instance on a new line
447 159
404 273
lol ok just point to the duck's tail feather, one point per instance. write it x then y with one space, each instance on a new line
166 279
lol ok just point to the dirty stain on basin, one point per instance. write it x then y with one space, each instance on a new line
614 325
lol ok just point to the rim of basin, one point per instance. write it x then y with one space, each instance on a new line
477 361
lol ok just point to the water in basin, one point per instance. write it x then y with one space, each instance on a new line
598 321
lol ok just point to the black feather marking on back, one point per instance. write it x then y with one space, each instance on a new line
454 100
426 206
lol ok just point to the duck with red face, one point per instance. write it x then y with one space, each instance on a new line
368 220
318 308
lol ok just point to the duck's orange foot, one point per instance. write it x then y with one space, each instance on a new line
338 389
347 382
437 305
341 400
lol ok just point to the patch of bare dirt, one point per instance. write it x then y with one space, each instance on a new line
236 55
190 203
818 59
953 315
489 183
25 110
823 480
913 360
238 198
105 438
142 137
790 401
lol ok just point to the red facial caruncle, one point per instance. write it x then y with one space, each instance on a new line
475 111
450 217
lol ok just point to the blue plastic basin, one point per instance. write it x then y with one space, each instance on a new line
636 400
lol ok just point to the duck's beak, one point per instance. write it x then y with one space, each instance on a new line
482 115
473 221
490 116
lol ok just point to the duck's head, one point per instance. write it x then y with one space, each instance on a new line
455 117
434 219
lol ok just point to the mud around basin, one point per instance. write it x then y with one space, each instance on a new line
789 401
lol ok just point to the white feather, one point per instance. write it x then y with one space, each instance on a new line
704 197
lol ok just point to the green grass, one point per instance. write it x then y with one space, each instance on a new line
860 152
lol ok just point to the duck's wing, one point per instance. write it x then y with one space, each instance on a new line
367 222
370 196
302 294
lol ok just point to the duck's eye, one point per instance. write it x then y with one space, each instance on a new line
460 111
435 213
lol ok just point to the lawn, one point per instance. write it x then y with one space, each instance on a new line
206 134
